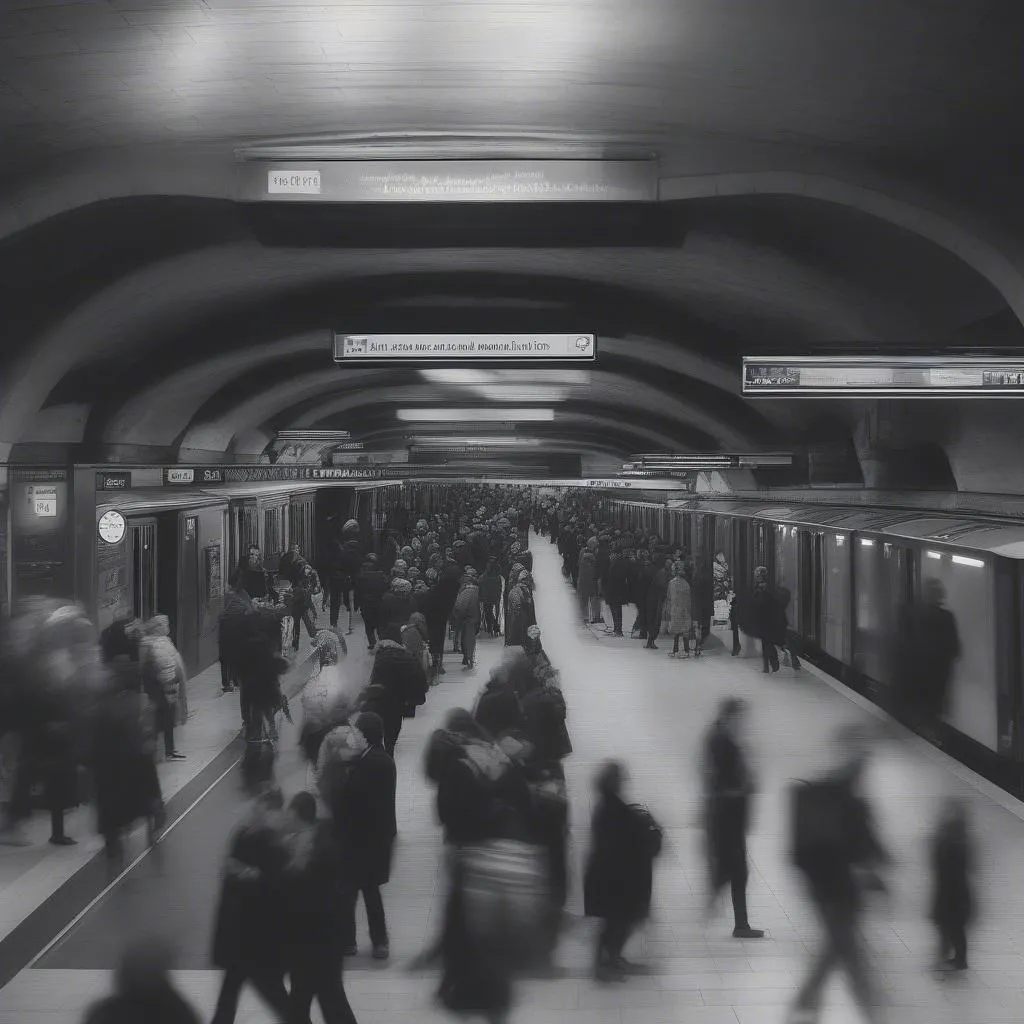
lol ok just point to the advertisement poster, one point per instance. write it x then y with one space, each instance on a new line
214 573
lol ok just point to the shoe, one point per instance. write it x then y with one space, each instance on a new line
606 974
617 633
176 756
956 964
381 952
673 654
747 933
350 950
63 841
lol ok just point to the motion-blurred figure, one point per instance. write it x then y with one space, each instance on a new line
314 913
249 933
144 991
762 619
164 680
125 780
729 788
625 840
952 910
836 848
931 647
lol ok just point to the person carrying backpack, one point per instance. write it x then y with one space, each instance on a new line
837 850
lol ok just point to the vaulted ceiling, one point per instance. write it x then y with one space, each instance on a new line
831 176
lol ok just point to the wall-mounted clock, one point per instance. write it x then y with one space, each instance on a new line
112 527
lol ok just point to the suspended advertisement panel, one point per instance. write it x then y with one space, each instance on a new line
450 181
427 348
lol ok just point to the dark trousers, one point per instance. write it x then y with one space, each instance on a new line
468 631
371 619
769 656
339 593
736 645
733 873
653 624
307 617
611 941
374 903
616 616
322 982
490 610
169 748
953 939
269 985
842 948
640 626
685 637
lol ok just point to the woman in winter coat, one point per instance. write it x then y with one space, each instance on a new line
676 620
466 617
415 638
396 605
248 942
165 680
619 876
329 698
521 613
230 635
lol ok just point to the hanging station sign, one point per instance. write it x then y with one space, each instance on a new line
873 376
426 348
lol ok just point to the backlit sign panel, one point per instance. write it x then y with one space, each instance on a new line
893 377
417 348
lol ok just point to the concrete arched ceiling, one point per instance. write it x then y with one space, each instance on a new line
515 386
716 276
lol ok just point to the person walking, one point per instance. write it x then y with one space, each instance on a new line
466 617
838 851
619 877
729 787
315 889
952 862
616 588
586 581
249 928
656 592
364 813
763 619
371 586
490 597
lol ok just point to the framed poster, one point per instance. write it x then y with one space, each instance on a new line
214 573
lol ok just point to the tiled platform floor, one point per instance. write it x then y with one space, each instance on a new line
651 711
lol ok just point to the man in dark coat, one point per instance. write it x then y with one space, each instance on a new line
252 577
729 787
402 683
615 587
364 813
763 618
372 585
396 605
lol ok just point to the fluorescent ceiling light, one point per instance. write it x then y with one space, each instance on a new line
867 543
964 560
491 415
933 554
497 441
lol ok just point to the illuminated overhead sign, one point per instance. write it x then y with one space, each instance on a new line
450 181
894 377
418 348
715 460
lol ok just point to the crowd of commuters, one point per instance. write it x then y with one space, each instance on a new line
295 870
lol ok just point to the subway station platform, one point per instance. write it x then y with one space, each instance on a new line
651 711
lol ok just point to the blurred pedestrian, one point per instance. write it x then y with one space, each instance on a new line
837 849
677 621
952 856
250 926
144 990
729 787
617 886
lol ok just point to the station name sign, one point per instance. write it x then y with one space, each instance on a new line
200 475
114 481
417 348
449 181
893 377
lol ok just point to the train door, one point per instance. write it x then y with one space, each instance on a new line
274 531
245 530
144 568
811 564
302 525
186 634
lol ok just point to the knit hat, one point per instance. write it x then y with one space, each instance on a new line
352 524
471 573
431 575
327 646
533 632
370 725
400 585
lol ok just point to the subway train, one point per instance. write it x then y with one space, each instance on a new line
851 571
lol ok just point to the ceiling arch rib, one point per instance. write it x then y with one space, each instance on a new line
604 387
141 309
158 415
989 248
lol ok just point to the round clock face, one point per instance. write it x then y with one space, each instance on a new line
112 527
